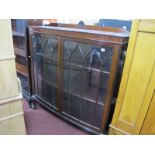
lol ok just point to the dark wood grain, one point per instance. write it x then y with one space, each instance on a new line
19 52
21 69
91 27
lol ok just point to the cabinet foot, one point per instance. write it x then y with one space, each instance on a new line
31 103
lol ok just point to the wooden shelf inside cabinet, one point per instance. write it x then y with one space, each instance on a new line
21 69
18 34
20 52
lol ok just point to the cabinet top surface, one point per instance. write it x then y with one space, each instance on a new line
95 32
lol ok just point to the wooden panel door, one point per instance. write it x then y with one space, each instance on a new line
137 84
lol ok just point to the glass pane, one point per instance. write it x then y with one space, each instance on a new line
86 75
45 67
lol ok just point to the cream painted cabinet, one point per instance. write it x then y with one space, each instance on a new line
11 110
135 106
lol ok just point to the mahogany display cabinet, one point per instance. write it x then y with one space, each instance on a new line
74 72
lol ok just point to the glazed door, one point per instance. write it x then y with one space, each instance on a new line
86 72
45 66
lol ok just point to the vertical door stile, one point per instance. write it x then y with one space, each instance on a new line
31 61
60 73
29 55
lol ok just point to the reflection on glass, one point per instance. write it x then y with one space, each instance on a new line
86 74
45 67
